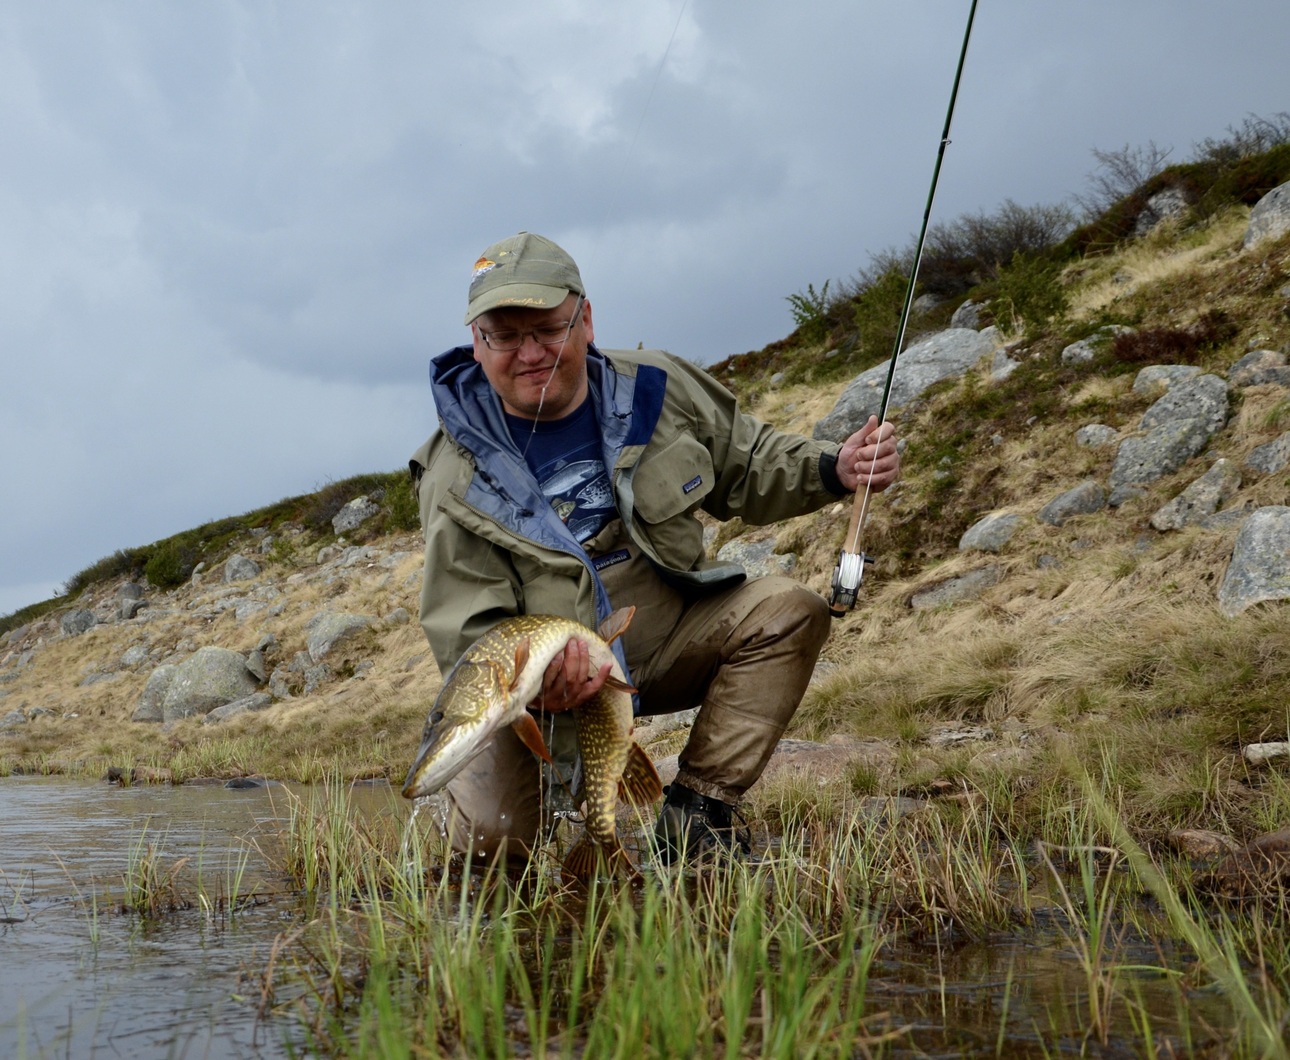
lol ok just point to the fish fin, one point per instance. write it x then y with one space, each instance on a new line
616 623
640 782
586 857
526 728
521 660
619 686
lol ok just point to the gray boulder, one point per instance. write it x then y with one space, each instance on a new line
1169 202
1203 398
1270 217
991 533
1259 367
1260 566
1271 458
1156 377
1146 458
968 315
245 705
1085 350
758 558
327 630
354 514
1096 435
240 568
1084 499
946 354
1201 499
951 590
150 703
74 623
207 679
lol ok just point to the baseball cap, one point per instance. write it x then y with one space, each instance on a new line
526 271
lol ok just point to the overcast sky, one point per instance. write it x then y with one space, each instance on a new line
232 234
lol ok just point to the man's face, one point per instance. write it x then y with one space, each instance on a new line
539 380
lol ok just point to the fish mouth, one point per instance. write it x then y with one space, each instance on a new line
440 758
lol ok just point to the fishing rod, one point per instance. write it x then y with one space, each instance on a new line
849 572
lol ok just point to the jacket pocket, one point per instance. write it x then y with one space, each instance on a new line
667 487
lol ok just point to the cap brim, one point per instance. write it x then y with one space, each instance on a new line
517 296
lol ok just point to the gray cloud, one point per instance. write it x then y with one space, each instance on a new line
235 232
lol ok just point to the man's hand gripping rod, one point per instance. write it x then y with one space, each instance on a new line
849 572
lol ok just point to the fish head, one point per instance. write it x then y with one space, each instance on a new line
467 711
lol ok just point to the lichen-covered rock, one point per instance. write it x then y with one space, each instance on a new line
240 568
327 630
951 590
153 696
1084 499
1271 458
1085 350
207 679
1270 217
1260 566
354 514
1200 499
74 623
1156 377
991 533
758 558
948 353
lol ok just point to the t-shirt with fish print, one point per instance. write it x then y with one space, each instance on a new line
565 457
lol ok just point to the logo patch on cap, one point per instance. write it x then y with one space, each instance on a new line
482 266
693 484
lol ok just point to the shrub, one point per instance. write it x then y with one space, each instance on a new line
171 563
810 313
1173 345
877 314
1030 293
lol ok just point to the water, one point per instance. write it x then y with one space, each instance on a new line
80 978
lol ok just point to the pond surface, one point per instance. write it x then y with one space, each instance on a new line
78 977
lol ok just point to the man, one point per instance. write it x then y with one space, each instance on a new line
565 480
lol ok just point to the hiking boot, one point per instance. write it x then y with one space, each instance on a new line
699 829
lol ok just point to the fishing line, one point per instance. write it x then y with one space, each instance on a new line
850 569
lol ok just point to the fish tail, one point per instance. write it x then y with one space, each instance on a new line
587 857
640 783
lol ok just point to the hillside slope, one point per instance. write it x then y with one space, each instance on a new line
1099 638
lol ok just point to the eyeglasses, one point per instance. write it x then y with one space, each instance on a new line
508 339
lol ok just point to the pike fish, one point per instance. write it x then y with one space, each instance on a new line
491 685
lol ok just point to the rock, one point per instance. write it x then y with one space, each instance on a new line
134 656
758 558
968 315
1084 499
1271 458
255 665
354 514
952 590
1003 365
207 679
245 705
240 568
1085 350
398 617
129 591
1145 458
327 630
149 707
1202 399
1262 867
1166 203
1270 217
1259 367
991 533
1202 498
1156 377
74 623
1260 566
1096 435
1201 843
1258 753
15 719
948 353
130 608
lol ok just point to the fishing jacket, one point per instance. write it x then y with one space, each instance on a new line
673 441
